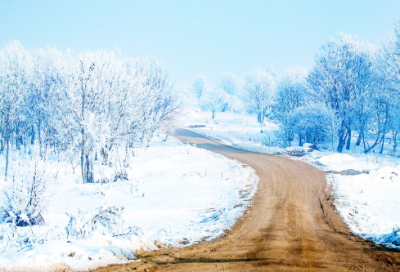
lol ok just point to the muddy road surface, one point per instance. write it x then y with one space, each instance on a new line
291 226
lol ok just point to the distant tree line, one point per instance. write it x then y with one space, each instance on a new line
352 92
85 106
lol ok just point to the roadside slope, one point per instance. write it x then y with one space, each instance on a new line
291 226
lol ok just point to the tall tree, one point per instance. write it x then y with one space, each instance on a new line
86 105
199 86
341 76
388 67
15 70
229 83
214 101
291 94
260 87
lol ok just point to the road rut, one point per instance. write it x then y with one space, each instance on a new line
291 226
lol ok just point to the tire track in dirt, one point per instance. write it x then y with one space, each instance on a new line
291 226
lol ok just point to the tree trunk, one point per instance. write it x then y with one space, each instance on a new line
17 137
394 143
83 102
259 117
7 154
88 170
358 143
383 143
104 155
342 138
7 138
369 148
348 139
126 159
385 128
33 136
289 139
39 139
83 163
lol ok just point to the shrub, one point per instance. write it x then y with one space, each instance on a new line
25 194
109 218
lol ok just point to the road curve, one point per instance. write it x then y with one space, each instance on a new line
291 226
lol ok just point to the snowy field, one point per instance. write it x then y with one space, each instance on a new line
237 130
368 202
176 195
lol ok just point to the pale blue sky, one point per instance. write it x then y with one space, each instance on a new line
198 37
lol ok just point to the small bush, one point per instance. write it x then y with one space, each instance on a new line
25 195
109 218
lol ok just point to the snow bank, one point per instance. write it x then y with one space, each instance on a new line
369 203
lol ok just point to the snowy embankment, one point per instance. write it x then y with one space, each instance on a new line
367 199
176 195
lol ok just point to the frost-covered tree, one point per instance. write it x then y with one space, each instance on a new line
388 67
260 87
235 104
291 94
88 106
199 86
46 97
15 73
341 77
313 123
214 101
93 94
116 104
390 61
229 83
162 103
395 124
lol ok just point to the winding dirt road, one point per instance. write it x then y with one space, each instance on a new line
291 226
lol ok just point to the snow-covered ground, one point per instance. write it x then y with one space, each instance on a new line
176 195
237 130
369 202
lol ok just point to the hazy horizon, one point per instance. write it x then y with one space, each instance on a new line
198 38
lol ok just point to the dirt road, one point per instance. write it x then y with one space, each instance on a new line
291 226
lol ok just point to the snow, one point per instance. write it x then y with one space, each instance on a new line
176 195
368 203
238 130
340 162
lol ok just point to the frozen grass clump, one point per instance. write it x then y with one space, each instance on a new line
107 220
